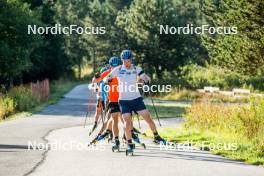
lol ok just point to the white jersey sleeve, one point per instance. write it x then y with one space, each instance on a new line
140 72
112 74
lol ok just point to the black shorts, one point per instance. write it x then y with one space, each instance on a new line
129 106
113 107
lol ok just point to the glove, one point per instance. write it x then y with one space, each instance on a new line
97 75
147 83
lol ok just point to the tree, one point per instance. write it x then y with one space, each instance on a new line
15 44
161 52
242 52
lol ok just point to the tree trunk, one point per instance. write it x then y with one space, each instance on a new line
79 68
158 72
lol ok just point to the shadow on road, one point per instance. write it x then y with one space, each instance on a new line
186 155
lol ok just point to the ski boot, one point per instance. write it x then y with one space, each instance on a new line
158 140
130 149
116 146
95 140
137 140
98 138
103 136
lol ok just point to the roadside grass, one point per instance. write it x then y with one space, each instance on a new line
224 144
236 132
19 102
190 95
167 110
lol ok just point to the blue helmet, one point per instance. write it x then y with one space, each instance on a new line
104 69
114 61
126 54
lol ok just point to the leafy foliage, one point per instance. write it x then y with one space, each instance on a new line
244 51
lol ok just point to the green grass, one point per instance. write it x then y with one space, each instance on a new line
237 130
190 95
167 110
230 146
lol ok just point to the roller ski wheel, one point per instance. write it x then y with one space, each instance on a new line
116 146
130 150
137 140
92 143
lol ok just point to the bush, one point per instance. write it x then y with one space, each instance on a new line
197 77
23 98
7 107
238 122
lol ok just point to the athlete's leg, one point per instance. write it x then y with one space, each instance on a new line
107 118
146 115
115 117
128 125
97 114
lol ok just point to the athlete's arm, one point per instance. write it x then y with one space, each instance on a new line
102 76
96 76
111 75
142 75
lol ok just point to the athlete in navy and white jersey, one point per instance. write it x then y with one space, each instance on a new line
129 96
128 81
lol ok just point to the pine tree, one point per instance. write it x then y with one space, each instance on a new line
244 51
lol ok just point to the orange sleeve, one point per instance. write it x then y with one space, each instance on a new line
103 75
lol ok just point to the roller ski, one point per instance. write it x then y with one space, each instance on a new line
100 137
94 141
160 140
138 132
116 146
130 149
137 140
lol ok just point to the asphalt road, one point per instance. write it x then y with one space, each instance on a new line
62 124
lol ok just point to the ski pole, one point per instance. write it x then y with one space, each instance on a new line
88 110
157 116
155 111
139 126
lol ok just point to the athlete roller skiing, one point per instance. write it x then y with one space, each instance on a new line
111 123
131 100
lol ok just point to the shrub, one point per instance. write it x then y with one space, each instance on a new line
197 76
238 121
23 98
7 107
